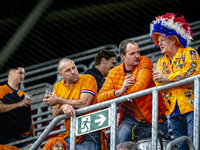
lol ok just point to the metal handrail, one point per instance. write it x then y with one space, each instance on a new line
181 139
119 100
91 51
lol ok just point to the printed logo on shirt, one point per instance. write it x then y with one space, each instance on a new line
194 64
177 62
183 58
191 101
193 55
180 66
191 71
163 63
168 95
168 72
185 75
164 70
188 94
179 77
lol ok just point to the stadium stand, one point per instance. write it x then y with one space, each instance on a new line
45 75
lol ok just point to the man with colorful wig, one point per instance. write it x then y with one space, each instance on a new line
172 34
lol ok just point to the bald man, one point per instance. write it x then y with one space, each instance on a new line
73 92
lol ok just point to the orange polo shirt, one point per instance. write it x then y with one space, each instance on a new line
86 84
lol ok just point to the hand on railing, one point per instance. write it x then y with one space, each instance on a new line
68 110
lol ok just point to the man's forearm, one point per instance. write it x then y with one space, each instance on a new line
119 92
74 103
32 129
57 110
8 107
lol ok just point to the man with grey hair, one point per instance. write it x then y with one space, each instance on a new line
178 63
127 146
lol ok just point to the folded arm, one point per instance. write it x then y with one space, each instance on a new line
85 100
143 78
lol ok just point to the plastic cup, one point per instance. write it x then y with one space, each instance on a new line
29 96
49 92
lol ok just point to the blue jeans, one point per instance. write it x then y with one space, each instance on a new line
182 125
90 141
124 131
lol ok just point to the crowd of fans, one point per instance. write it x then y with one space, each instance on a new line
107 81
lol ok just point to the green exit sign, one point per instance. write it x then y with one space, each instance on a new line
93 122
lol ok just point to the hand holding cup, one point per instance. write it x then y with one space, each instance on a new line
48 92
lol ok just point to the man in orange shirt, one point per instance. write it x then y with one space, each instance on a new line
135 74
75 91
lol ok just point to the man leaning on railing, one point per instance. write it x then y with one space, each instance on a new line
172 34
75 91
134 75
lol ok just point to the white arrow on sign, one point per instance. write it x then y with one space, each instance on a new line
101 119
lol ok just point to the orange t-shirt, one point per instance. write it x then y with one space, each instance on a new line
86 84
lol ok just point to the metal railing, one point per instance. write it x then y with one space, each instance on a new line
142 41
113 104
181 139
